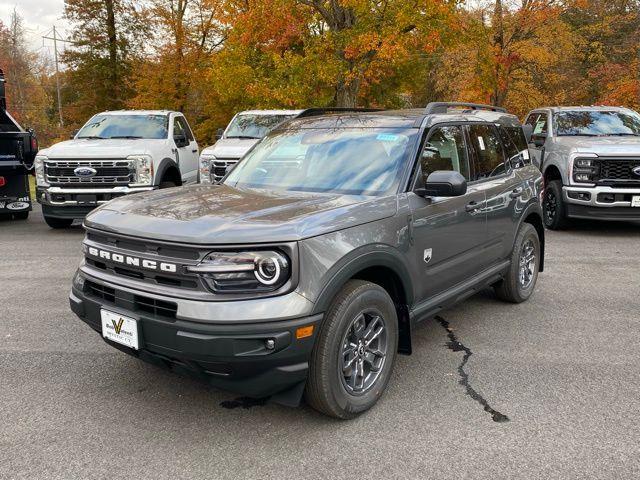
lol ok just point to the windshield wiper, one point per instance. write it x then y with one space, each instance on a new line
93 137
126 136
579 135
242 136
622 134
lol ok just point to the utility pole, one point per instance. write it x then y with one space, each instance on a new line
55 56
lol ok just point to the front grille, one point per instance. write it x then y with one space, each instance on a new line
108 172
135 303
220 167
617 169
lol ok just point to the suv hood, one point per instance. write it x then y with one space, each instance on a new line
116 148
602 146
219 214
230 147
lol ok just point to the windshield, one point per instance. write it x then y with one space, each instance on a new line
351 161
126 126
596 123
253 126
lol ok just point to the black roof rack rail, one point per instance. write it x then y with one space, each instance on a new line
312 112
443 107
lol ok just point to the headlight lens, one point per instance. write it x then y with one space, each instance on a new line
585 170
244 272
205 168
143 165
39 168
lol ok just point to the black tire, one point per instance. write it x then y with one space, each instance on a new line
166 184
512 288
21 215
327 389
54 222
554 210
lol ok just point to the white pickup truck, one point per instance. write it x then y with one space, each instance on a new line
114 154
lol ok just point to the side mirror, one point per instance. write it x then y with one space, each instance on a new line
538 140
443 183
73 134
181 140
219 133
528 131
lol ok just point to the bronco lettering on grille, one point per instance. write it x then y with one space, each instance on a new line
132 261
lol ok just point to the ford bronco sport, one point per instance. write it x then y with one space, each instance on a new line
307 268
590 158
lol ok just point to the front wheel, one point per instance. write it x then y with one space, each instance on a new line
54 222
521 278
353 356
553 206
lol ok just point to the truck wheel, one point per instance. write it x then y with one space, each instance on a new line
521 278
353 356
553 206
21 215
166 184
58 222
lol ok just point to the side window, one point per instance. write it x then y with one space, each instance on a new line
489 160
541 124
515 144
445 150
180 126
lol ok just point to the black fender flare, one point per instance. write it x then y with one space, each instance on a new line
533 207
359 260
165 164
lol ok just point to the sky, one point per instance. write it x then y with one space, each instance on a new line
38 16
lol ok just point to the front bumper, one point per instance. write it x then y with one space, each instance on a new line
229 356
62 202
601 202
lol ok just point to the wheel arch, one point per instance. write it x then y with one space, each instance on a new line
168 170
385 270
533 216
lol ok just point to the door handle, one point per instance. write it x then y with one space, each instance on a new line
195 150
472 206
516 192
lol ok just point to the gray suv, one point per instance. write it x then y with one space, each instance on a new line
306 270
590 158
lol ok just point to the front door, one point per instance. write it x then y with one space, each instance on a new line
493 171
187 151
539 122
448 233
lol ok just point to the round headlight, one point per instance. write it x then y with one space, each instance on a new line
268 269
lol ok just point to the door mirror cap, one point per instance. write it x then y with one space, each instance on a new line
538 140
443 183
181 140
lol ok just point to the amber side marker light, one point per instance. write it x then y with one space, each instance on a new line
304 332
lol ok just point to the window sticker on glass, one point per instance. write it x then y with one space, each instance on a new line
481 143
539 127
525 154
387 137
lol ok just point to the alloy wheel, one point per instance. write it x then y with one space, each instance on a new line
527 264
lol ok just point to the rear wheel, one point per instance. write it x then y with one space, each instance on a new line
553 206
353 356
54 222
521 278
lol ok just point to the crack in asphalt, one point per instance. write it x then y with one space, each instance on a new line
456 346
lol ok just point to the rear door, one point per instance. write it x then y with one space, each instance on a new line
494 172
187 152
448 233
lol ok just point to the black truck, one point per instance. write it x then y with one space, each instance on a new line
18 148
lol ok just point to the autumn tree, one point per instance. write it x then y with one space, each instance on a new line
106 39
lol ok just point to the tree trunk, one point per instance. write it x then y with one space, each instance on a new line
113 76
347 93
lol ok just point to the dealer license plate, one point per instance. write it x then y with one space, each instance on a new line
635 201
119 328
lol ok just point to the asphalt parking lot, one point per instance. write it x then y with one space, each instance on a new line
563 368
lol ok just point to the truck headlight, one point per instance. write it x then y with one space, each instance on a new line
205 168
143 168
38 165
244 272
585 170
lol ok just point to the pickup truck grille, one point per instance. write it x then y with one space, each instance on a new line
619 169
220 167
108 172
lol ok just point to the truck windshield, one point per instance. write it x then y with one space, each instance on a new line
596 123
253 126
126 126
349 161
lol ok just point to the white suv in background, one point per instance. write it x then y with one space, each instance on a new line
114 154
243 132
